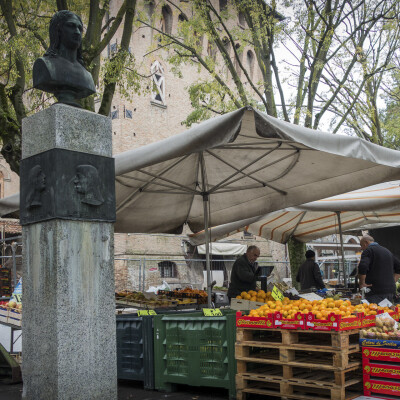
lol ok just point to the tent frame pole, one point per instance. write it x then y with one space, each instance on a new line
206 206
207 237
342 249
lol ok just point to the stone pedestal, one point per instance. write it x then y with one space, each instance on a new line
68 340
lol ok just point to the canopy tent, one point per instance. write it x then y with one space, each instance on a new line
372 206
380 204
239 165
223 249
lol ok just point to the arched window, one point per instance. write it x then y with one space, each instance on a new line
166 22
242 19
149 7
223 4
250 63
158 89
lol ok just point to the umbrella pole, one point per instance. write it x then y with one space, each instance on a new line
207 240
342 249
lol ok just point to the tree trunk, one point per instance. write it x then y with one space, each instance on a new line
297 252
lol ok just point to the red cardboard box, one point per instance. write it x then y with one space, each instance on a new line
244 321
333 322
298 322
367 320
380 354
381 369
374 386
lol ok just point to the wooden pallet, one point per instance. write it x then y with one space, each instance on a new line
317 339
298 364
290 391
300 375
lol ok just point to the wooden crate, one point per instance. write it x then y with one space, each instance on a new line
298 364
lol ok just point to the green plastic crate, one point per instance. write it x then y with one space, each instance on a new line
135 354
195 350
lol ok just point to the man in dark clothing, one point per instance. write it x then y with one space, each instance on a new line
309 274
244 272
378 270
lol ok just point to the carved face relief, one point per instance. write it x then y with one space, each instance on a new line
71 33
87 183
37 180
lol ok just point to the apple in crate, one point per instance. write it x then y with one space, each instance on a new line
12 304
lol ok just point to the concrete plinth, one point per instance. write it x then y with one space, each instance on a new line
68 340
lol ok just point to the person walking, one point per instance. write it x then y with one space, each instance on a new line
309 274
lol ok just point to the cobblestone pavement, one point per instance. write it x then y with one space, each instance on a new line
135 391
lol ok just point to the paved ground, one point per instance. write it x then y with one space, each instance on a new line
135 391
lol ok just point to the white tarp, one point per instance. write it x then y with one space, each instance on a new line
223 249
246 164
372 206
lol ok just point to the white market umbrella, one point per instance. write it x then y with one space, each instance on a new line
372 206
239 165
377 205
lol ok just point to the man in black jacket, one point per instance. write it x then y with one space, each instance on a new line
309 274
244 272
378 270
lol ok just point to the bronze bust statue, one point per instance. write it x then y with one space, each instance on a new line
61 70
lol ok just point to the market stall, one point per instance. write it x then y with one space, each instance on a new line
239 165
308 349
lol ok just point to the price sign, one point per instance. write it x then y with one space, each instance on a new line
140 313
211 312
17 294
277 294
18 298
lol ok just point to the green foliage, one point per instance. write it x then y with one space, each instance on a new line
24 30
297 251
339 58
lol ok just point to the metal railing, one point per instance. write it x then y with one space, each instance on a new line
169 269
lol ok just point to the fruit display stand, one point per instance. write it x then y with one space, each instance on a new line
195 350
381 358
298 364
163 301
12 318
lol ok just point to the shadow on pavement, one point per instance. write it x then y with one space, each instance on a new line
128 390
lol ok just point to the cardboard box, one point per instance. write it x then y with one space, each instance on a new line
381 354
298 322
3 314
240 304
385 344
14 317
333 322
381 369
375 386
245 305
244 321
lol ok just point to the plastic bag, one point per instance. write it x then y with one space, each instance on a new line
155 289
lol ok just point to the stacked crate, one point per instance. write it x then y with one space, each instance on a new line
381 370
5 282
298 364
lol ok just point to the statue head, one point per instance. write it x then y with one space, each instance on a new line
87 182
66 29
